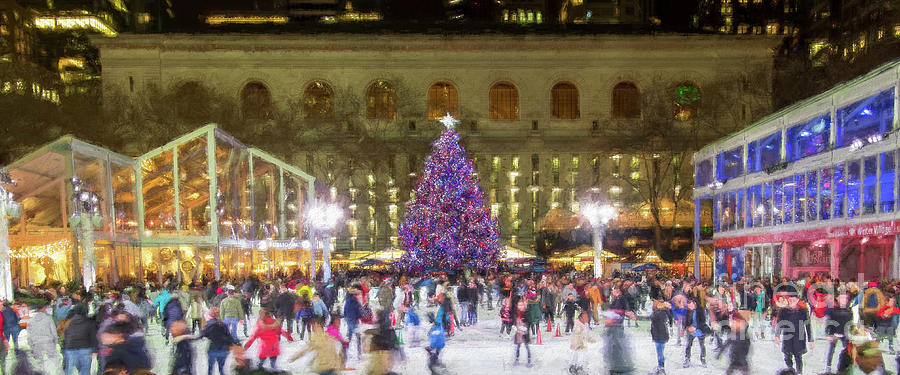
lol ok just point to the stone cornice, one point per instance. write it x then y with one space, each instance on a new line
718 45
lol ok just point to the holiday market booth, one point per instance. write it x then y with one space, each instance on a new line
811 189
87 212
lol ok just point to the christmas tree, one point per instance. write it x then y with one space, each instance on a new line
447 225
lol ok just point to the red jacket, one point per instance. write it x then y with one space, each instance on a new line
269 338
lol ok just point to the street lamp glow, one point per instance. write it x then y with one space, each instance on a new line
323 218
599 216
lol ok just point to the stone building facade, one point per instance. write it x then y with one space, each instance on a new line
540 113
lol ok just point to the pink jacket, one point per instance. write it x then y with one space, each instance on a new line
334 332
269 338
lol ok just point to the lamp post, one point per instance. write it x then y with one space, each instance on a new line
599 217
8 207
323 218
85 217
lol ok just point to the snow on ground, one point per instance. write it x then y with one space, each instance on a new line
481 350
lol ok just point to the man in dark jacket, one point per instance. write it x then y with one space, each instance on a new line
793 331
284 307
123 353
836 329
173 312
696 327
352 314
10 325
220 340
80 341
660 321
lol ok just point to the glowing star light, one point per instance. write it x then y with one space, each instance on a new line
449 121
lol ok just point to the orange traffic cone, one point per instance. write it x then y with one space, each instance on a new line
557 331
538 341
549 327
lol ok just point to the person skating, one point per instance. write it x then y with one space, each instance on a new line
79 341
837 326
327 358
220 341
268 331
738 342
231 312
793 331
569 309
617 349
383 346
581 336
696 327
884 323
183 359
43 339
660 321
521 334
436 342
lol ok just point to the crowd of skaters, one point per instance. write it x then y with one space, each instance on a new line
357 313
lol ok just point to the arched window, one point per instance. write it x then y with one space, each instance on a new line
380 99
687 101
442 99
564 97
317 101
256 102
626 101
504 102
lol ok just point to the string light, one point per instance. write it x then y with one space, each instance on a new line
52 250
448 225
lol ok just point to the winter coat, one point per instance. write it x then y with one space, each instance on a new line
305 291
436 337
580 336
173 312
701 324
10 319
42 332
197 310
327 356
268 338
162 300
81 333
130 354
284 304
132 308
739 343
569 308
231 308
399 297
352 309
521 334
217 334
385 297
659 322
183 361
872 300
838 320
793 327
884 323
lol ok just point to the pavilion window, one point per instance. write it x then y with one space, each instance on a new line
777 201
825 193
860 120
808 138
800 196
853 174
729 164
870 183
886 180
703 173
840 190
764 153
787 210
811 198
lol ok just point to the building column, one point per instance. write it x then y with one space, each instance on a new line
786 260
835 244
893 273
696 241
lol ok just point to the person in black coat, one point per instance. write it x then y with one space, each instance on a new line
696 326
738 342
660 321
284 307
80 341
793 332
837 328
220 341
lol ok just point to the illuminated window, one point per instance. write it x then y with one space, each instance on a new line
687 101
626 101
442 99
380 99
317 100
504 102
564 97
256 102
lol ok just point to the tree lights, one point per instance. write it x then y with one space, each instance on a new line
448 225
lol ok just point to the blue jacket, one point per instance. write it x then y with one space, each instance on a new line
172 313
352 309
162 300
436 337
